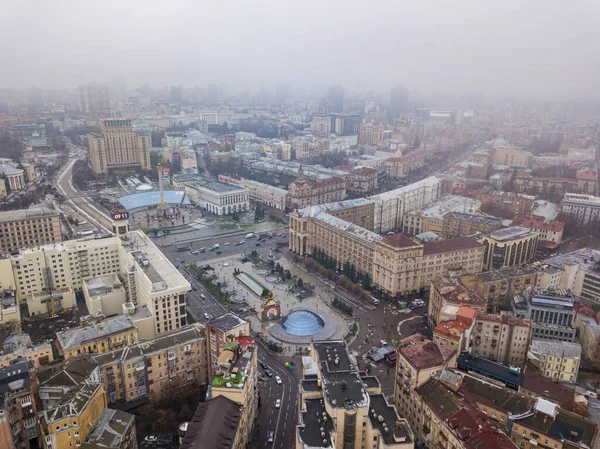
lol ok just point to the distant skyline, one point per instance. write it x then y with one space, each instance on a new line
535 49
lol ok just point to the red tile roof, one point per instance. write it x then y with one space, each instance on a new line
443 246
427 355
399 241
589 175
538 222
490 439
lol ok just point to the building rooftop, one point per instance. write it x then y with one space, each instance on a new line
490 369
111 428
579 198
503 319
73 404
80 335
314 418
586 258
214 425
154 264
474 218
512 233
490 439
544 387
226 322
564 349
454 291
340 379
427 355
384 417
14 378
397 193
550 298
439 398
347 227
218 186
103 285
160 343
233 366
537 222
68 373
444 246
27 214
446 205
313 211
400 240
511 402
566 427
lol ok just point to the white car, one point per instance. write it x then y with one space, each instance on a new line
226 244
278 403
278 380
206 316
151 438
195 251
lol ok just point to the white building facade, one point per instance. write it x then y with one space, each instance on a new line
585 208
218 197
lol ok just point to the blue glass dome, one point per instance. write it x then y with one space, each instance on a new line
302 322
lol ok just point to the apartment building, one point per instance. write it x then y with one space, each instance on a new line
69 423
321 126
19 345
455 333
156 368
507 202
550 311
415 366
431 218
97 337
557 361
586 208
398 167
391 206
550 231
118 145
304 193
341 408
18 408
509 247
497 403
213 418
104 295
457 224
358 211
155 287
578 271
94 100
446 295
525 182
589 336
370 134
453 256
363 180
62 265
261 193
500 286
28 228
220 331
548 426
308 148
59 379
512 157
501 338
114 429
235 377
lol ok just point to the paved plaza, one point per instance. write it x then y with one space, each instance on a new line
336 325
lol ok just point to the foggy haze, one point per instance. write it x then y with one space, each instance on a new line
515 47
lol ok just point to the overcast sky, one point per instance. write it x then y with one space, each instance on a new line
546 48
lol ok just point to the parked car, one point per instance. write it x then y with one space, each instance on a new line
268 373
195 251
226 244
262 364
151 438
206 316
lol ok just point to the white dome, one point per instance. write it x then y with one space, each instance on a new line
144 187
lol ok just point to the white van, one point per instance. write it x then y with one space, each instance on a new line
249 236
216 246
375 301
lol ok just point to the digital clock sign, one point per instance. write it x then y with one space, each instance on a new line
120 215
